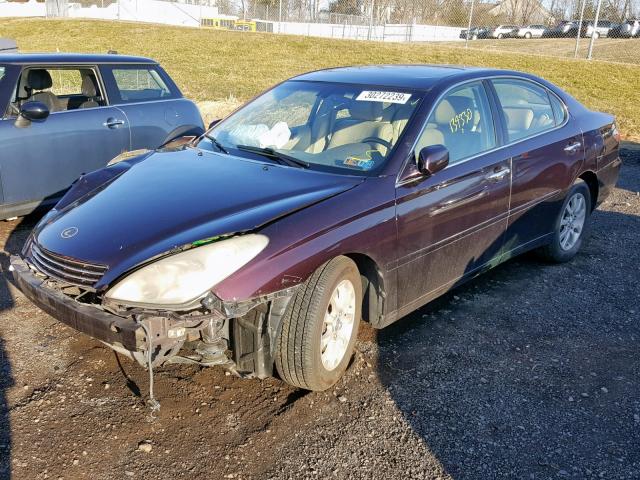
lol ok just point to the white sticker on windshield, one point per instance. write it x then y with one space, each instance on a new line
386 97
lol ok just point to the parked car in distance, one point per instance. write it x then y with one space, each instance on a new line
566 28
62 115
502 31
531 31
475 33
602 30
338 195
627 29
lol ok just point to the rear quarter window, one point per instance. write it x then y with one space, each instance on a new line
138 83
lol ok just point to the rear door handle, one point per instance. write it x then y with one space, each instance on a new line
498 175
572 147
113 122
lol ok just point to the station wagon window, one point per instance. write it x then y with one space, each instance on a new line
59 88
526 107
140 84
462 122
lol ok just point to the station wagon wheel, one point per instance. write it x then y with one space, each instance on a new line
527 35
571 225
320 327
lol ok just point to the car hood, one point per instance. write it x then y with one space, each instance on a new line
171 199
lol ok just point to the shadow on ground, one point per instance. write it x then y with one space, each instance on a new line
531 370
19 231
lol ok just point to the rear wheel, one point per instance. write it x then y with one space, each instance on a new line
571 225
527 35
500 36
320 327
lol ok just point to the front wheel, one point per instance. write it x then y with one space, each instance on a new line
571 225
500 36
320 327
527 35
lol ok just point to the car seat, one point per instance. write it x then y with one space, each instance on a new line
364 121
40 79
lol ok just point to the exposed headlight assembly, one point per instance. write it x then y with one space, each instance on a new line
184 277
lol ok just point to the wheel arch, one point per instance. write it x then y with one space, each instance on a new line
373 287
591 179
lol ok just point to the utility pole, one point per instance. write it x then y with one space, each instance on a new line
466 41
593 33
575 53
371 19
280 17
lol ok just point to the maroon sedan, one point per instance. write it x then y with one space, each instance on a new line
339 195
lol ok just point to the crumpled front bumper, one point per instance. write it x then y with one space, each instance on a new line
92 321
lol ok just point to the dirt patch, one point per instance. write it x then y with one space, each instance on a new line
530 371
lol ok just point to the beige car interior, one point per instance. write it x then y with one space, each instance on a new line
36 84
341 122
463 142
524 120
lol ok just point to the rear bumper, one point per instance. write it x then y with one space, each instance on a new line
92 321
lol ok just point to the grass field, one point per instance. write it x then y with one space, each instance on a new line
626 50
225 66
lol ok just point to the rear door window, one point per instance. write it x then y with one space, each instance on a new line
526 107
139 84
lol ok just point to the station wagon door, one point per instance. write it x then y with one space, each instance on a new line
81 134
152 103
451 224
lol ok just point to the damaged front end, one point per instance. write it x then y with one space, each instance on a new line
239 336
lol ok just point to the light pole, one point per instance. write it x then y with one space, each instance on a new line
593 33
466 41
575 53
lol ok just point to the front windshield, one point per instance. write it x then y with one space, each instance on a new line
323 126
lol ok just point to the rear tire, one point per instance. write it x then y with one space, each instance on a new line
571 226
320 327
500 36
527 35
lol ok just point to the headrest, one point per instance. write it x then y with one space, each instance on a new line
39 79
368 111
460 104
89 86
444 113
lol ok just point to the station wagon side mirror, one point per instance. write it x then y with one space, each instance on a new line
214 122
432 159
32 112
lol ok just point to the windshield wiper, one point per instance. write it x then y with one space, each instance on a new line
217 144
281 157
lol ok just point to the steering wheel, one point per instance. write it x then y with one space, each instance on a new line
379 141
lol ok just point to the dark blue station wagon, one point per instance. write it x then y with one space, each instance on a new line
68 114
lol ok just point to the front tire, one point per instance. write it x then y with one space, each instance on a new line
527 35
320 327
571 225
500 36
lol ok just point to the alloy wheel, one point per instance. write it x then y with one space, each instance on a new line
338 324
572 222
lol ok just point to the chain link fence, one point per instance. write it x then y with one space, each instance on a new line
600 29
603 29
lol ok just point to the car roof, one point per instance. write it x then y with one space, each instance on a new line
71 58
400 76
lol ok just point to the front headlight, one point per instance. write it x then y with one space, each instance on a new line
186 276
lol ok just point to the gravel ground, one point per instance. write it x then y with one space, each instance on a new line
530 371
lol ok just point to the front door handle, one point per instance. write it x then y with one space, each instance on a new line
113 122
498 175
572 148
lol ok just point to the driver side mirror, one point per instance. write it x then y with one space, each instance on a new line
432 159
32 112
